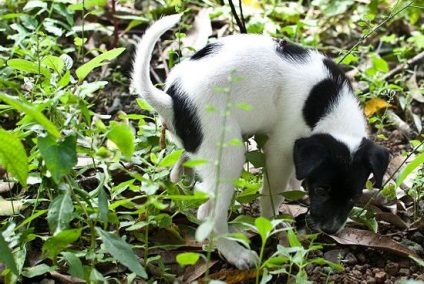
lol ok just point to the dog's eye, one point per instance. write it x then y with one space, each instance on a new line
323 190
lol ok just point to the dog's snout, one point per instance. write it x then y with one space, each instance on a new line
331 230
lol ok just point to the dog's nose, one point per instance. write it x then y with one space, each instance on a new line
331 229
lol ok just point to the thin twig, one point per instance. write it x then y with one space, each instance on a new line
239 22
115 25
243 22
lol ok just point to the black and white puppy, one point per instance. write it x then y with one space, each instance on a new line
298 97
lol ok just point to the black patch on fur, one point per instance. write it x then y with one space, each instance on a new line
324 94
290 51
186 120
336 73
206 51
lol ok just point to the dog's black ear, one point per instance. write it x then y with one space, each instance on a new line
308 154
377 158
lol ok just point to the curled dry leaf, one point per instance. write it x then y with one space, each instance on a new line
351 236
233 276
392 219
293 210
415 90
194 272
6 186
11 207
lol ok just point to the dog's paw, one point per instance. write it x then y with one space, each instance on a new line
204 211
237 255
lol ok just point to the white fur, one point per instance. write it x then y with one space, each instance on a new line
275 88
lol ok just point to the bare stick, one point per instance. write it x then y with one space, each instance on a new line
239 22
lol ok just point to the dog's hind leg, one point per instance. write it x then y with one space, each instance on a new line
218 178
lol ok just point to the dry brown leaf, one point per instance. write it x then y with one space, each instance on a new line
194 272
415 90
11 207
6 186
392 219
65 278
233 276
418 225
293 210
352 236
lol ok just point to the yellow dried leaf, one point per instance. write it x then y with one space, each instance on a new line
374 105
252 4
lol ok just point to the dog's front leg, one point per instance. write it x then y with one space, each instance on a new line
218 180
279 169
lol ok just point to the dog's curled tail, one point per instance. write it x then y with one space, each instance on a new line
157 98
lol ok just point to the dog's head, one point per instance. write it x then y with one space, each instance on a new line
335 176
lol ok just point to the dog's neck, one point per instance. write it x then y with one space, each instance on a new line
346 122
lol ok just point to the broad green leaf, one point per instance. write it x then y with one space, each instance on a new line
197 195
121 134
60 156
264 227
33 216
37 270
99 60
74 263
33 113
87 5
60 213
365 216
27 66
322 261
122 252
293 194
170 159
6 256
54 62
11 16
35 4
380 64
188 258
103 204
418 260
55 244
257 158
194 163
13 156
419 160
67 60
293 241
144 105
